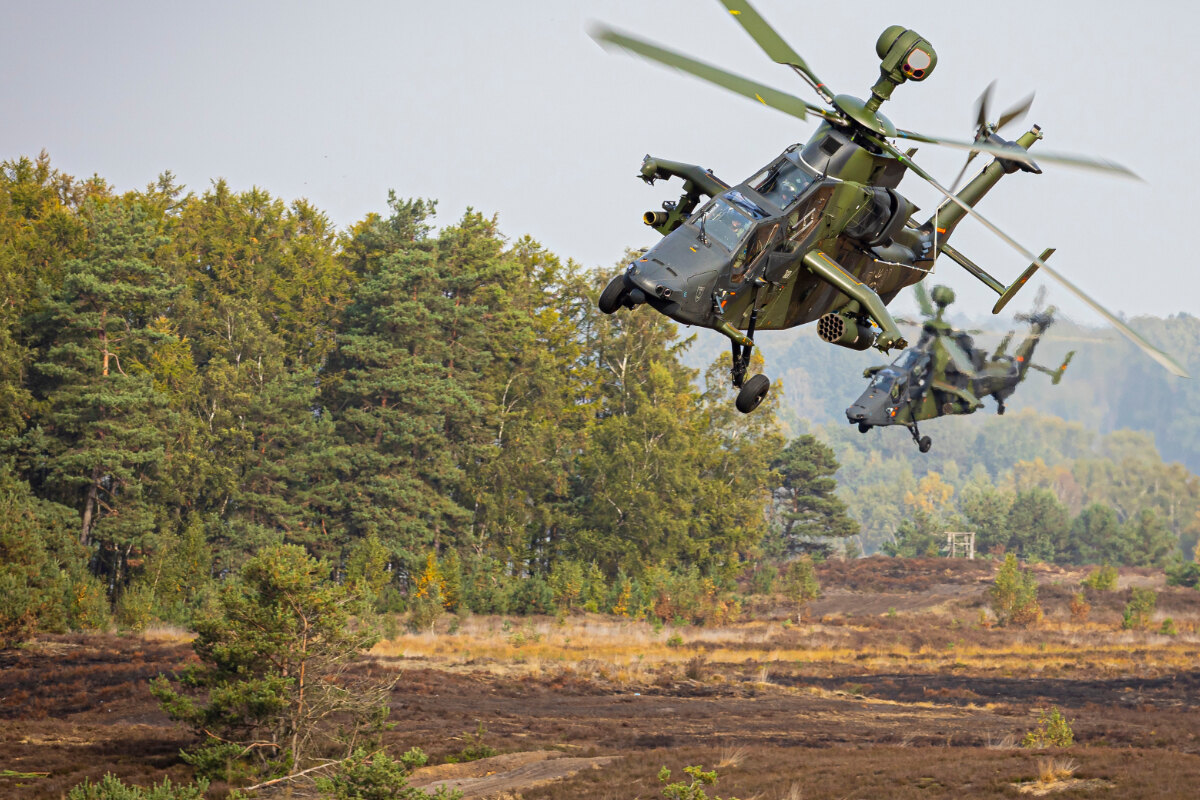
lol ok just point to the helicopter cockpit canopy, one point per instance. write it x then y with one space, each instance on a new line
782 183
727 219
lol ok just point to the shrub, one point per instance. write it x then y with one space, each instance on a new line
532 595
375 777
693 790
800 580
135 608
674 640
1184 573
1102 579
415 758
1140 607
1014 595
1053 730
1168 627
111 788
474 749
273 672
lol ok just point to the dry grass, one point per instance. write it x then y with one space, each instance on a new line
1053 770
634 652
732 756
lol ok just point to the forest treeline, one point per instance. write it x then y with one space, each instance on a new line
185 378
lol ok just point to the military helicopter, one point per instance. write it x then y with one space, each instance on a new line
820 232
945 373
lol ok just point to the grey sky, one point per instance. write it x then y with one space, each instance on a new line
510 107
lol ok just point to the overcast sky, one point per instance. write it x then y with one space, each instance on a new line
509 107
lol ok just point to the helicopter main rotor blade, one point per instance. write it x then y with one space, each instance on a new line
1170 364
982 106
773 44
923 301
962 361
1016 112
780 101
1020 154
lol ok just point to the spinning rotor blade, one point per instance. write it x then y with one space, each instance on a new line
1170 364
1016 112
923 301
982 104
981 125
1022 155
772 43
962 361
781 101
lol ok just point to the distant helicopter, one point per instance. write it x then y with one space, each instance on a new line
820 233
945 373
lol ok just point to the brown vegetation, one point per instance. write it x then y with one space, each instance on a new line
927 700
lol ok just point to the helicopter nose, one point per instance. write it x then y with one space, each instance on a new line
654 282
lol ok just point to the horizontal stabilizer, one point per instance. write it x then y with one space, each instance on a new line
1016 285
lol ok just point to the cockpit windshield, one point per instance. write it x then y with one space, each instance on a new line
784 183
910 360
723 223
885 380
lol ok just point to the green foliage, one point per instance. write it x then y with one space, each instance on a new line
1013 595
1102 579
805 501
413 758
374 776
111 788
799 581
1053 730
273 658
1139 609
474 748
693 789
188 379
1168 627
1184 573
916 536
40 567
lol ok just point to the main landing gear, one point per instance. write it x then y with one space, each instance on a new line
750 392
924 443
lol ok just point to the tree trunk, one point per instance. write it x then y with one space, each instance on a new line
89 508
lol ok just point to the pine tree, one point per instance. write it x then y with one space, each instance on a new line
805 499
103 431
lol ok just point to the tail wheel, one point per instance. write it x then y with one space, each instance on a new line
752 393
613 296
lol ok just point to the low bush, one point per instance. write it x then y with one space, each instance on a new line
1184 573
1139 609
111 788
690 790
1053 730
1014 595
1102 579
375 777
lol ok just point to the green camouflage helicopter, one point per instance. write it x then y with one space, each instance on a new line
820 233
945 373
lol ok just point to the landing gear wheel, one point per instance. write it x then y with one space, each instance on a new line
752 393
863 427
924 443
1000 409
613 296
